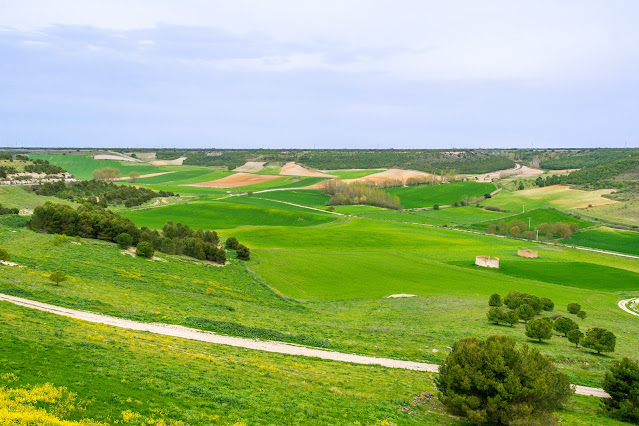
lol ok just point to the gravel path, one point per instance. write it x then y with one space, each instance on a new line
259 345
624 305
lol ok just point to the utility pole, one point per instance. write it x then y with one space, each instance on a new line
529 222
523 208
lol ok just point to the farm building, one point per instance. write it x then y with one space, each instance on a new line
530 254
487 262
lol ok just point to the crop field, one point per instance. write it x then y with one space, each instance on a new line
625 213
444 216
536 217
425 196
184 175
306 197
557 196
351 174
607 239
230 213
82 166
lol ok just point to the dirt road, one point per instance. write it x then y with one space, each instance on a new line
624 305
267 346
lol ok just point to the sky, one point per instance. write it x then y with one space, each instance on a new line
319 74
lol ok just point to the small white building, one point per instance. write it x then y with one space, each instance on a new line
487 262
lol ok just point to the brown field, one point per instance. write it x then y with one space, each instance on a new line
385 176
250 167
238 179
176 162
292 169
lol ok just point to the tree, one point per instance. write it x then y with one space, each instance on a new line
495 300
564 325
582 314
600 340
510 318
243 252
495 315
231 243
539 328
57 277
514 299
107 173
4 255
574 336
525 313
133 177
622 384
145 249
435 206
547 304
124 240
573 308
494 381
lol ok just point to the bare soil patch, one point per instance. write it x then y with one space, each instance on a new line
292 169
250 167
112 157
238 179
176 162
386 176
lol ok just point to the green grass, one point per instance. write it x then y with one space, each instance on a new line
283 182
229 213
82 166
536 217
270 169
558 196
445 216
17 197
351 174
607 239
306 197
426 196
183 175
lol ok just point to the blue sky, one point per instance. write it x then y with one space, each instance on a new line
323 74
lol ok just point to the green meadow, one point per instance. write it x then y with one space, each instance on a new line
607 238
427 195
443 216
82 166
536 217
351 174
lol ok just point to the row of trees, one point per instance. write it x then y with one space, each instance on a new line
98 192
8 210
494 381
91 221
359 193
519 228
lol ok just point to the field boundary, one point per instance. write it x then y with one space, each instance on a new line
260 345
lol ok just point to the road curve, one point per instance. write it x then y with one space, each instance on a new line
267 346
623 304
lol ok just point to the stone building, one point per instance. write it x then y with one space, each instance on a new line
487 262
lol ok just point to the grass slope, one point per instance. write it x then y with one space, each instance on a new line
445 216
82 166
17 197
607 239
425 196
558 196
536 217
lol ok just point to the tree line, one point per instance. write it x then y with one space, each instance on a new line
359 193
8 210
544 231
92 221
98 192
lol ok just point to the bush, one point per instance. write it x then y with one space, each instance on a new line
575 336
477 382
547 304
495 300
145 249
4 255
436 207
124 240
564 325
622 383
573 308
600 340
525 313
540 328
231 243
243 252
57 277
59 239
582 314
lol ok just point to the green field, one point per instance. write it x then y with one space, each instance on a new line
536 217
557 196
230 213
607 239
426 196
82 166
306 197
184 175
444 216
351 174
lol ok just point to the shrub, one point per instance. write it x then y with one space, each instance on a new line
4 255
547 304
59 239
525 313
575 335
492 208
540 328
600 340
495 315
582 314
622 384
124 240
495 300
491 229
514 299
573 308
475 382
564 325
57 277
436 207
145 249
231 243
243 252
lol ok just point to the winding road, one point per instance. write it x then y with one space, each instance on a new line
267 346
